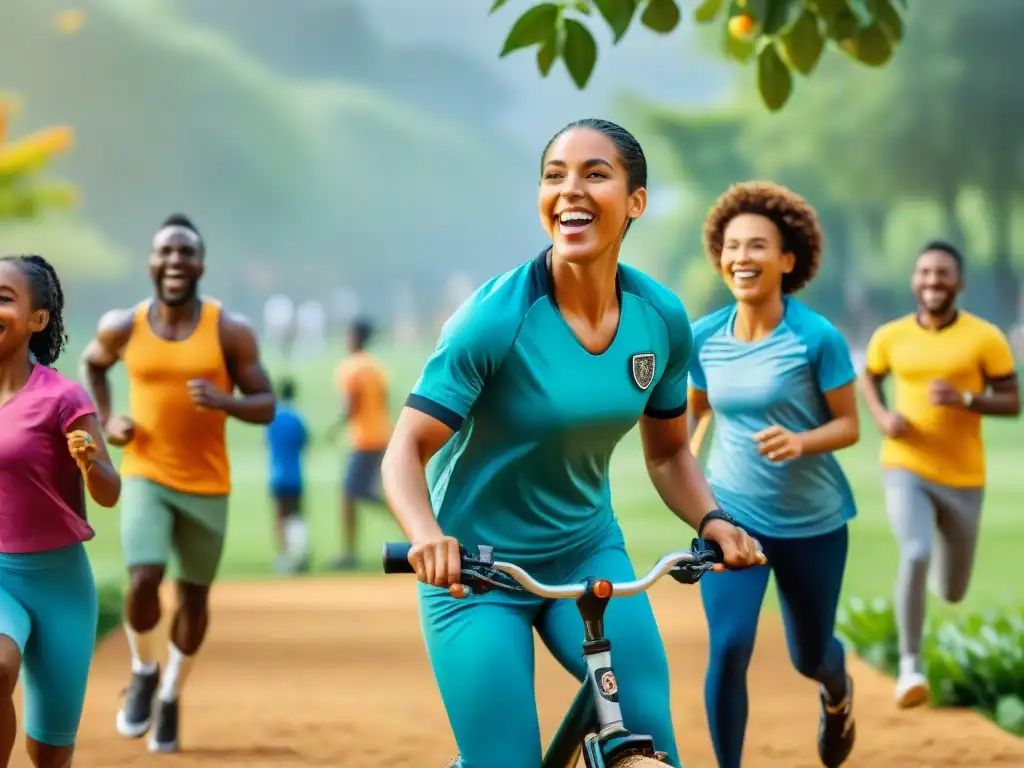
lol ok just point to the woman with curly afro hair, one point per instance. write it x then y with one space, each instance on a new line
779 379
51 452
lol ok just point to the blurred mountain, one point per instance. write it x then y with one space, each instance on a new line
298 184
334 39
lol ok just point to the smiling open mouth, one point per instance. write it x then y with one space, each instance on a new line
741 276
174 283
574 222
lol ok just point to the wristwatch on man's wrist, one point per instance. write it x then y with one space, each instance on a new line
714 514
967 398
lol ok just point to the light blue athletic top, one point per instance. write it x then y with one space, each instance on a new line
778 380
537 416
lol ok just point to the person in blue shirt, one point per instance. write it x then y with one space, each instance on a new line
779 380
287 438
506 439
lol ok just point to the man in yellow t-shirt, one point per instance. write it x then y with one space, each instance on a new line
950 369
363 386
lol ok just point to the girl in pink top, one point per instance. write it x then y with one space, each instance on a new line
51 451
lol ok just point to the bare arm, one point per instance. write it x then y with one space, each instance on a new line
257 403
870 385
1002 398
417 437
351 409
676 474
102 480
697 405
101 354
680 482
844 428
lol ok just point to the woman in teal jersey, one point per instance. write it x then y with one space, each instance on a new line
779 380
535 379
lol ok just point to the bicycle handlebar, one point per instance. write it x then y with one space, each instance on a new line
479 572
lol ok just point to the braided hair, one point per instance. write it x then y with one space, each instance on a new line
47 344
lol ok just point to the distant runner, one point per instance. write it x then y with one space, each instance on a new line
950 368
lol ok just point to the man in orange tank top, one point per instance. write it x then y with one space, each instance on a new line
363 386
185 357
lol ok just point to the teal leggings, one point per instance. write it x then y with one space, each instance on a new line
481 649
48 607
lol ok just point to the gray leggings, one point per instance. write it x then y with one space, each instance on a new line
937 526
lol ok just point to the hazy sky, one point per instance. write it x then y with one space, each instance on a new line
661 67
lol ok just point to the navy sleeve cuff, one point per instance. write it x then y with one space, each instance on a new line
446 416
672 413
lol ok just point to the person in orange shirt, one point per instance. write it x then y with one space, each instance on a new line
185 356
363 385
950 369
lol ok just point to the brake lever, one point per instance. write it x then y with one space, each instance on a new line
690 574
482 578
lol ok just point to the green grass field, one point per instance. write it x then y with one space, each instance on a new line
650 529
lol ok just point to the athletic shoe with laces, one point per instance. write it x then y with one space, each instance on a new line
164 736
837 730
136 714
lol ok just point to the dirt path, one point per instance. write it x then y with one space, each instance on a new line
322 672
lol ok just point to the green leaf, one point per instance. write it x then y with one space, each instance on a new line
829 9
497 5
582 6
535 26
870 46
782 14
842 26
801 45
774 80
707 11
579 52
661 15
756 9
889 19
546 55
861 12
618 14
1010 714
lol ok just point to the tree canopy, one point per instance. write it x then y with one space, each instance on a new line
935 148
782 38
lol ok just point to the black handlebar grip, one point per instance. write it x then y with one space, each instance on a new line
396 557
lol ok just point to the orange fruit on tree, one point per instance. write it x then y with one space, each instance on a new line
742 27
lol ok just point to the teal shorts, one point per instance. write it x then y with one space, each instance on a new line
48 606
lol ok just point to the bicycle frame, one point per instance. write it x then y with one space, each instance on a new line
593 724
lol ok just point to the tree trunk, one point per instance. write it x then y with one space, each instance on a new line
1006 286
954 227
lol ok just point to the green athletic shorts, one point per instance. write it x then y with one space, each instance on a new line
157 521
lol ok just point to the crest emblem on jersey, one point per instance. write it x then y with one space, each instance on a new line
642 368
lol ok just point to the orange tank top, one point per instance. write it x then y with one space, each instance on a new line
176 443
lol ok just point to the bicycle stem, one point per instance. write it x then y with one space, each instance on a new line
598 655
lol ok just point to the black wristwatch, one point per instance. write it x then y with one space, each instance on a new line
714 514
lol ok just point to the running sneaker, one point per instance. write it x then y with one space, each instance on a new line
164 736
837 731
136 714
911 690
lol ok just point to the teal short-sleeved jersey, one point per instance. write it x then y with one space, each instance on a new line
537 416
780 380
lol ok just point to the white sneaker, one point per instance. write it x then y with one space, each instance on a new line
911 690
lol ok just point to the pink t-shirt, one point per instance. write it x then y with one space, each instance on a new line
42 494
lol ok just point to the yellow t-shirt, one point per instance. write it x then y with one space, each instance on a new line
944 443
